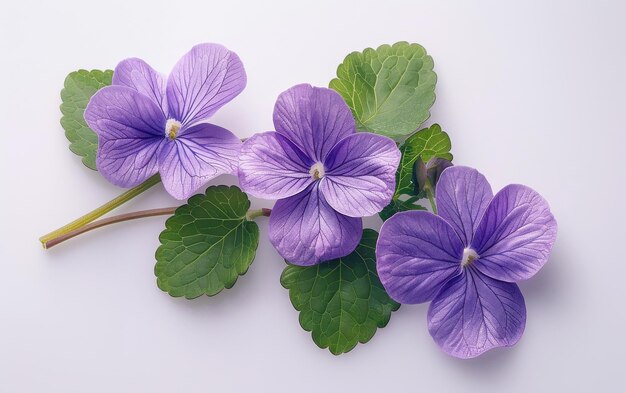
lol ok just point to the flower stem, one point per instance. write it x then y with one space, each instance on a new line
252 214
431 198
99 212
107 221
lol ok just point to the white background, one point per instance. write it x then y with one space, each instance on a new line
530 93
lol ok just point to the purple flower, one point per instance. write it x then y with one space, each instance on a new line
147 123
325 175
467 260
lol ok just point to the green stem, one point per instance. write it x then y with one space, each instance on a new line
108 221
102 210
252 214
431 198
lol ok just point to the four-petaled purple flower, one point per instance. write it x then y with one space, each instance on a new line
467 260
325 175
147 123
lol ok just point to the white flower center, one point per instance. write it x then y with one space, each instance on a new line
469 256
317 171
172 127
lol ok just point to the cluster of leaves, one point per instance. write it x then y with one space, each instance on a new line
209 242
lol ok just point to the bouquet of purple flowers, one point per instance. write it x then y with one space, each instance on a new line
337 154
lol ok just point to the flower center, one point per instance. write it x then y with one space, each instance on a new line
469 256
317 171
171 128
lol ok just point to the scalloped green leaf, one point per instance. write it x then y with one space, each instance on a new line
207 244
428 143
79 87
389 89
341 302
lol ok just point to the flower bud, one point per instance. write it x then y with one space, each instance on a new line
426 175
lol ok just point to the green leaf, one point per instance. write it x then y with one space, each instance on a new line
342 302
396 206
207 244
390 89
427 143
79 87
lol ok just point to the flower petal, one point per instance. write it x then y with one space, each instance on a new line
272 167
203 80
314 118
516 234
198 155
416 253
361 174
139 76
306 230
463 195
130 129
474 313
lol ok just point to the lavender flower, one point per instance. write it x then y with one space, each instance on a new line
147 123
467 260
324 175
